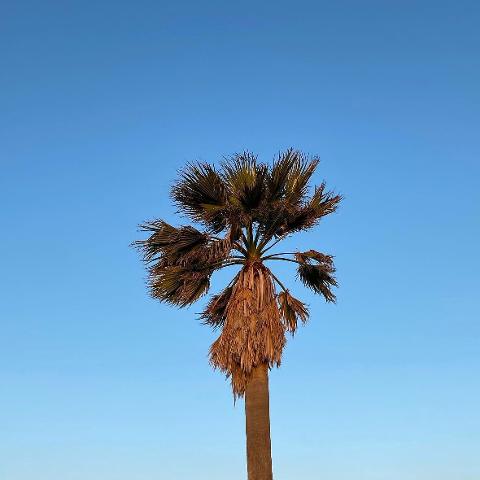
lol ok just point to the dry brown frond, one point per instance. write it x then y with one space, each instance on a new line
253 332
316 271
215 312
319 257
291 311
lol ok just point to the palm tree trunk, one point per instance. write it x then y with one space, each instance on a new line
259 455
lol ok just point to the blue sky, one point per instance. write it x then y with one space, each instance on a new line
102 103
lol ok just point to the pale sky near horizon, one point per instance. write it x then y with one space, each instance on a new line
101 104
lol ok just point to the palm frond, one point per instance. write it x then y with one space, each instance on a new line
178 285
212 253
215 312
279 173
324 202
308 214
310 255
298 178
181 261
181 246
291 311
245 178
289 176
168 241
287 207
201 194
316 271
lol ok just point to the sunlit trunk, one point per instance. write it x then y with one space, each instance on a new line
259 455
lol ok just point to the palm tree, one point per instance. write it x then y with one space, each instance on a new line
244 208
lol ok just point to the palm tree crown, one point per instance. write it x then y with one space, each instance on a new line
244 208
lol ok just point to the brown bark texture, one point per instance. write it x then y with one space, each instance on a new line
259 455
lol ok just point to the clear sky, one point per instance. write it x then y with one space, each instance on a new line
102 102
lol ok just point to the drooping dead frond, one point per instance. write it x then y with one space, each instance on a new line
316 271
215 312
253 332
291 311
311 255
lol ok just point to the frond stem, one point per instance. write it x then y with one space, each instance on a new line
227 263
279 239
281 258
244 239
277 254
239 248
223 263
282 286
257 235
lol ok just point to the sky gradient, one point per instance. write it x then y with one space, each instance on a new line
103 102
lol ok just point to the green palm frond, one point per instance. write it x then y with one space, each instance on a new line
168 241
277 179
245 178
310 213
201 194
298 177
324 202
287 207
181 246
288 177
178 285
181 261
